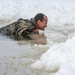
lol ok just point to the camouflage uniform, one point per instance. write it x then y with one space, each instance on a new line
20 29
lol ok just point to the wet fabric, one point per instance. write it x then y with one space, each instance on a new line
20 29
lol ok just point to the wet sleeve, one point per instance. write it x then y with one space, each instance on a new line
22 28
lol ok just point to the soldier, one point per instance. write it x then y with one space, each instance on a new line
25 28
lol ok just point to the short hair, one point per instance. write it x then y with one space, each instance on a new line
40 17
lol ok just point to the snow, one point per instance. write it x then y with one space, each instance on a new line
60 56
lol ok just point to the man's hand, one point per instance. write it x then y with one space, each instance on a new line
39 38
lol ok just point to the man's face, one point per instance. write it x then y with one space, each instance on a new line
42 24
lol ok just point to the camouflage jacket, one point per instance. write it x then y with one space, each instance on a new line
20 29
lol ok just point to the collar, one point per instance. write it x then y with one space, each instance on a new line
33 21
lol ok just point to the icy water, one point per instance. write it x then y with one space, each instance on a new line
16 57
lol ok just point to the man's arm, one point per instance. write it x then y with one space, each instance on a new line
22 28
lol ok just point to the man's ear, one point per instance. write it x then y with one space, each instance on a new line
38 21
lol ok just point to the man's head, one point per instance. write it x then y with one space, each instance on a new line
41 21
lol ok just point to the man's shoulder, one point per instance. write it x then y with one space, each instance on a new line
24 20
